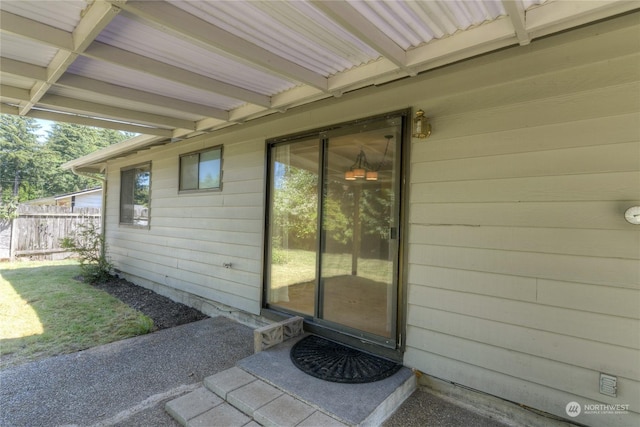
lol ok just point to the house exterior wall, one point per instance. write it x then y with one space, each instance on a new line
88 200
523 278
523 274
193 234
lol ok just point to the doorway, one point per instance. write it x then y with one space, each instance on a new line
334 228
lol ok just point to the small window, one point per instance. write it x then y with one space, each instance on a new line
135 195
201 170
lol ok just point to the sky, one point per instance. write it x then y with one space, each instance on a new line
45 126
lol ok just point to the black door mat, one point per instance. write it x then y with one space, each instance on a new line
337 363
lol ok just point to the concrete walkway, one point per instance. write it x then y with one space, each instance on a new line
128 383
124 383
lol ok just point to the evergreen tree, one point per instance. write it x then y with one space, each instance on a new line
30 169
70 141
21 159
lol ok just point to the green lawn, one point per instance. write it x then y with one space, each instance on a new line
44 312
299 266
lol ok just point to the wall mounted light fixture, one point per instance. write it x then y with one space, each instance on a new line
421 126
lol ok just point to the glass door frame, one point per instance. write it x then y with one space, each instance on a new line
393 346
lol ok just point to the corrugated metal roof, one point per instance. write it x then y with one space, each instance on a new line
296 31
27 51
146 41
178 67
410 24
61 14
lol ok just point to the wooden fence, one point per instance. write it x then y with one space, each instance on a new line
37 231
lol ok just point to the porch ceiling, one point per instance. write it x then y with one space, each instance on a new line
177 68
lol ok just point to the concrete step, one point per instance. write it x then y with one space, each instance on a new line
367 404
267 389
237 398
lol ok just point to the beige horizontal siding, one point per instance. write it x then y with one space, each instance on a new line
524 277
527 110
596 131
596 215
195 284
589 187
596 299
568 241
568 353
613 157
520 377
192 234
594 270
609 329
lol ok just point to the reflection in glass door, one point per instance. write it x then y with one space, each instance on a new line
333 228
359 223
293 220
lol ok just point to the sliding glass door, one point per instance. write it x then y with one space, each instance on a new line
359 231
293 222
333 228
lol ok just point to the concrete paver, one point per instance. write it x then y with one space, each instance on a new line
256 403
227 381
284 411
222 415
193 404
252 396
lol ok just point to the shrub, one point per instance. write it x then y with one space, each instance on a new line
89 244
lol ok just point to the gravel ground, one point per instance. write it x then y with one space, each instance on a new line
424 409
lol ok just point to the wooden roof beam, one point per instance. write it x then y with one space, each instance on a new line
15 94
77 106
92 121
23 69
516 12
74 81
